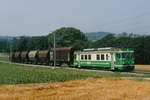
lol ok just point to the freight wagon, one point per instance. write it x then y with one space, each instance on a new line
17 57
33 56
12 56
43 57
63 55
24 57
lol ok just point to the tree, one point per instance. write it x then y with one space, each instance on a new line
68 36
107 41
30 43
124 42
4 45
22 43
140 44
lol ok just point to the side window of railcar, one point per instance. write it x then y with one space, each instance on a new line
89 57
82 57
106 56
85 57
102 57
97 57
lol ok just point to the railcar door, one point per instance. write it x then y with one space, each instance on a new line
112 61
79 60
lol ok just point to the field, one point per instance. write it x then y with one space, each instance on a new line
19 74
4 54
4 59
89 89
18 82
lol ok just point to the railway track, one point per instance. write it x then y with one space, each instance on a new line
139 72
84 69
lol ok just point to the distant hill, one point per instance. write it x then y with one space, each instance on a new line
96 35
6 37
93 35
130 34
99 35
126 34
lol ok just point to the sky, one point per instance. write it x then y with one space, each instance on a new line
40 17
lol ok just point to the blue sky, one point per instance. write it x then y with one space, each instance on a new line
39 17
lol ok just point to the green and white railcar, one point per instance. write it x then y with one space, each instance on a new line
110 58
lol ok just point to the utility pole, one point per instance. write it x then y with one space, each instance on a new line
54 50
10 50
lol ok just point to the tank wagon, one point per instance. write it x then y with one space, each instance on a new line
43 57
17 56
24 57
33 56
12 56
109 58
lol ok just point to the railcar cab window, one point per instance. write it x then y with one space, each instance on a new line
102 57
125 56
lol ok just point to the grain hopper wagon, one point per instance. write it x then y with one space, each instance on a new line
43 57
33 56
24 56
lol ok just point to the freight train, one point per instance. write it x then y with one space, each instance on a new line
108 58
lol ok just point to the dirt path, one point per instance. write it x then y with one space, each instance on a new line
90 89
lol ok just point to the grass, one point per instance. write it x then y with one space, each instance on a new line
18 74
142 70
4 58
4 54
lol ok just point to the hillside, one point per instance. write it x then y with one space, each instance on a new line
99 35
96 35
125 34
6 37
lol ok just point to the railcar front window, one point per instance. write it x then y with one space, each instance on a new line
122 56
125 55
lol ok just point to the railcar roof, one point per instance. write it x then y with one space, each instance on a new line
64 48
113 50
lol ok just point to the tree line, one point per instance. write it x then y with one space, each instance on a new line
24 43
140 44
74 37
65 37
4 45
